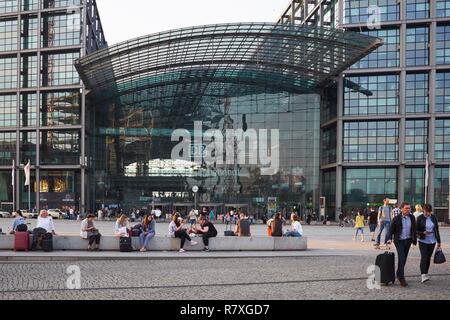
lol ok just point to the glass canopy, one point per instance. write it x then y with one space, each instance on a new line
224 60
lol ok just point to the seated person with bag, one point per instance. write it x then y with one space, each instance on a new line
122 227
276 226
44 229
89 232
206 230
243 226
19 223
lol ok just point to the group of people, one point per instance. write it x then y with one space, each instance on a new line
275 227
404 229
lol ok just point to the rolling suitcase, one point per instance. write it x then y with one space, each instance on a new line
125 244
228 233
47 242
21 241
386 263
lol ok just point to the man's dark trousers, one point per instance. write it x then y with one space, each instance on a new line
403 247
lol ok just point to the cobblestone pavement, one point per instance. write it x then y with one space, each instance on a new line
268 278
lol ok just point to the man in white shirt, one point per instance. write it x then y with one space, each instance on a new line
46 222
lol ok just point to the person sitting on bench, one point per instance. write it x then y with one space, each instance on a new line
243 226
207 230
89 232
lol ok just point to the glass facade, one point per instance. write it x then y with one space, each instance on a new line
415 186
443 92
441 183
368 186
42 100
417 9
388 55
442 139
379 95
356 11
443 44
133 152
371 141
417 93
417 46
416 143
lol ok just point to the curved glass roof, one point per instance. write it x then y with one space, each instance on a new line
228 56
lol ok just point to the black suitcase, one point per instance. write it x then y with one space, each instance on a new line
47 242
229 234
386 263
125 244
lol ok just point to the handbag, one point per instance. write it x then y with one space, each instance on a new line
439 257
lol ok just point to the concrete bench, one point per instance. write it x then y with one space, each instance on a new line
109 243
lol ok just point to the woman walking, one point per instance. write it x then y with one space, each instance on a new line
359 226
429 236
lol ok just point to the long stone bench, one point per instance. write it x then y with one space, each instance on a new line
108 243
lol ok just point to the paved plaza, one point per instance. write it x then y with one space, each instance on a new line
334 267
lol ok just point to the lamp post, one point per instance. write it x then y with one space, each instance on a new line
195 190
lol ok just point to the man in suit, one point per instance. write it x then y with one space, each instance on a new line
404 233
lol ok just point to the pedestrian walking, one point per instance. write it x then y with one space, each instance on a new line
419 211
385 215
429 236
359 225
373 222
403 231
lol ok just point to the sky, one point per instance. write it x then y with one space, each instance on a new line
125 20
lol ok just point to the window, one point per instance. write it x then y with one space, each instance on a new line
378 95
28 107
357 11
7 148
329 191
8 6
417 46
60 108
30 31
442 8
443 92
442 139
417 93
362 186
29 71
414 185
416 145
8 107
8 35
329 145
61 30
60 147
371 141
60 3
8 73
441 183
388 55
59 69
443 44
28 5
28 146
417 9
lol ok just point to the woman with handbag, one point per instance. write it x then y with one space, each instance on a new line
429 236
89 232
